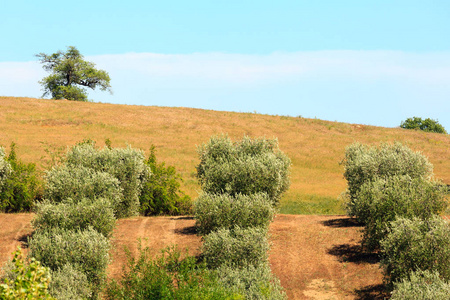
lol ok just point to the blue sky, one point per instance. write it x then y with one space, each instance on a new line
368 62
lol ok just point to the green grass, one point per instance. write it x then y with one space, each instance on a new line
312 205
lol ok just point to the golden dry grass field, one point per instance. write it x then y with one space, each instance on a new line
315 146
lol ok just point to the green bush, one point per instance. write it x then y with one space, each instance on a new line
423 285
77 183
382 200
239 247
364 164
20 188
214 211
244 167
414 244
86 213
161 192
127 165
254 282
428 125
88 249
30 281
70 283
167 277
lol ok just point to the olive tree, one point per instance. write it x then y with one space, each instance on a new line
5 167
247 166
365 164
71 75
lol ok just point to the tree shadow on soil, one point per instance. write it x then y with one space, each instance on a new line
339 223
190 230
24 240
182 218
372 292
354 254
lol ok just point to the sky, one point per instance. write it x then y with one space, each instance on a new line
372 62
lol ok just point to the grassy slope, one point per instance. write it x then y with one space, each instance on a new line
315 147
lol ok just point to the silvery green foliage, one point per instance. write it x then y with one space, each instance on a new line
7 271
423 285
414 244
70 283
214 211
382 200
239 247
364 163
5 167
255 282
78 182
244 167
127 165
97 213
87 249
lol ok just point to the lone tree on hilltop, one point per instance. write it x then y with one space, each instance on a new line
70 74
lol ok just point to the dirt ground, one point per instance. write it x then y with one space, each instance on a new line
315 257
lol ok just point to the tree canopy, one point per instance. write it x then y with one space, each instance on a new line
71 75
428 125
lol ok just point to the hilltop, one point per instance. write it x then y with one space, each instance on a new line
315 146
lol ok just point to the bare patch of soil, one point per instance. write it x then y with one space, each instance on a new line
14 230
156 233
318 257
315 257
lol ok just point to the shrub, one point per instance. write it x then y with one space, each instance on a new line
254 282
21 186
77 183
239 247
244 167
428 125
167 277
161 192
97 214
5 168
214 211
414 244
70 283
364 164
30 281
382 200
127 165
87 248
425 285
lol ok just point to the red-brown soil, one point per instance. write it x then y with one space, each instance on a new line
315 257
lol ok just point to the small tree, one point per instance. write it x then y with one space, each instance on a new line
247 166
421 285
161 192
21 186
382 200
364 164
215 211
5 168
428 125
126 165
70 74
414 244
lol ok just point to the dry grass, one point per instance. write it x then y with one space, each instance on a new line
315 147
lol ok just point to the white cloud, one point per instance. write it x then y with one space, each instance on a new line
352 86
250 69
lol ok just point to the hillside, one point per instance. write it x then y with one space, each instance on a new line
315 146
